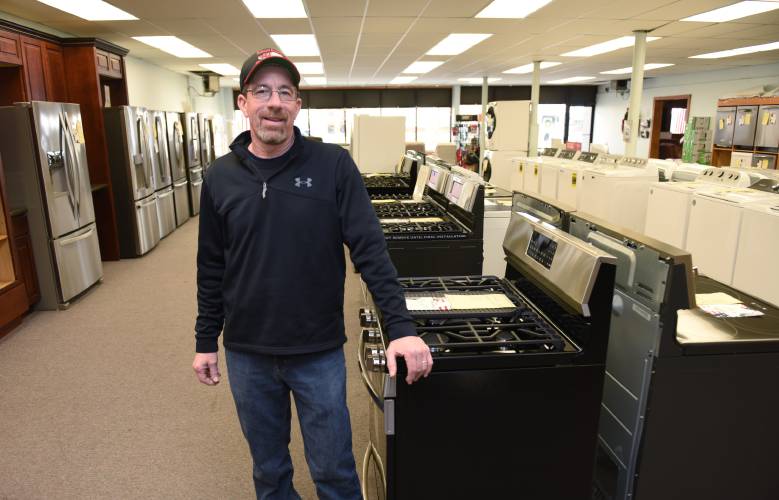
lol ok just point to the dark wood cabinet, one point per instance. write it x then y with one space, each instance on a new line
25 261
32 59
10 52
54 73
13 296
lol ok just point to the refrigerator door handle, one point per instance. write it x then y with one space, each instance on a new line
180 183
164 194
140 157
146 204
66 164
178 137
75 239
75 168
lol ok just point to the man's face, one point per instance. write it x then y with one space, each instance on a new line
271 121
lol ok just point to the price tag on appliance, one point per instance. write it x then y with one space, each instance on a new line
721 124
766 117
573 179
427 304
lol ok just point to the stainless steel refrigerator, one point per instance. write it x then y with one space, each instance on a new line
163 183
178 166
206 131
194 166
132 175
45 160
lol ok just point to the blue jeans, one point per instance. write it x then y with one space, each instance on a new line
261 385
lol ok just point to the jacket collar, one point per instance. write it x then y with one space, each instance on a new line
240 146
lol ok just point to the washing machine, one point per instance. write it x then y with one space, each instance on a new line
508 125
619 194
713 230
533 169
668 206
499 164
757 243
568 176
548 171
497 213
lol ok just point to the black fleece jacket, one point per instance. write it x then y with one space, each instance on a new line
270 261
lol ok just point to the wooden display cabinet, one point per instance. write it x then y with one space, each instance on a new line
13 295
95 75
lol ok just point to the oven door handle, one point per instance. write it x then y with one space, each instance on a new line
374 394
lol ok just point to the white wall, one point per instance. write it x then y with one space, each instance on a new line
705 88
154 87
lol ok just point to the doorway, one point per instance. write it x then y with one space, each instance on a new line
669 118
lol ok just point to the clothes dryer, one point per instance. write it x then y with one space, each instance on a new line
508 125
568 176
757 242
619 193
668 205
713 230
500 166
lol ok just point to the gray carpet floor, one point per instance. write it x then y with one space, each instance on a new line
100 401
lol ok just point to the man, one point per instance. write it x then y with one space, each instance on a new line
471 162
274 215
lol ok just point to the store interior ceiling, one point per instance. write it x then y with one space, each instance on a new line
364 42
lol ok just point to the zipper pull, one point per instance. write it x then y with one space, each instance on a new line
264 189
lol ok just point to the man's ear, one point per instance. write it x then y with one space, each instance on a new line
242 104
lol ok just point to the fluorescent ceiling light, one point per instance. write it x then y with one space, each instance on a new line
398 80
731 12
513 9
528 68
270 9
297 45
611 45
573 79
310 68
222 69
478 80
457 43
315 80
418 67
91 10
172 45
624 71
737 52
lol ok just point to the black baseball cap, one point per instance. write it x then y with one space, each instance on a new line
267 56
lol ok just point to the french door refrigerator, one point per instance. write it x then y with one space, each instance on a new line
206 131
132 174
194 165
45 160
163 184
178 166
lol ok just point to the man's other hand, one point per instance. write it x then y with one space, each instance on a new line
206 366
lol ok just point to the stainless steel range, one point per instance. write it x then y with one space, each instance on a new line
510 409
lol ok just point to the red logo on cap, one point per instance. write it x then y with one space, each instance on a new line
268 53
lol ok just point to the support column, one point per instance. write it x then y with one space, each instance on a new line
636 91
535 92
483 127
455 103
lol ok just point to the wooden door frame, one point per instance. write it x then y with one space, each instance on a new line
657 120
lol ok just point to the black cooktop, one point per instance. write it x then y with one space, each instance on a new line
518 330
407 210
410 230
388 181
390 196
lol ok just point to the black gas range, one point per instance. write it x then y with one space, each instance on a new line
511 407
389 196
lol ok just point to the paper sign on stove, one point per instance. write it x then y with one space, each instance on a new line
479 301
427 304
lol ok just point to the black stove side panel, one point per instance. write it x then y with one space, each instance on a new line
437 258
494 434
711 429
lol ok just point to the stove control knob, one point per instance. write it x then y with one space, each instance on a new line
367 318
371 335
375 359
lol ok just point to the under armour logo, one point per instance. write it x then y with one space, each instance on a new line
300 182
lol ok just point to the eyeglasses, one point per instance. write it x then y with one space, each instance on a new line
263 93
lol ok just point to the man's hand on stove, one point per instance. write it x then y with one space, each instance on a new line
416 353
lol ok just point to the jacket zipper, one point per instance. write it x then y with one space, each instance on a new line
264 189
